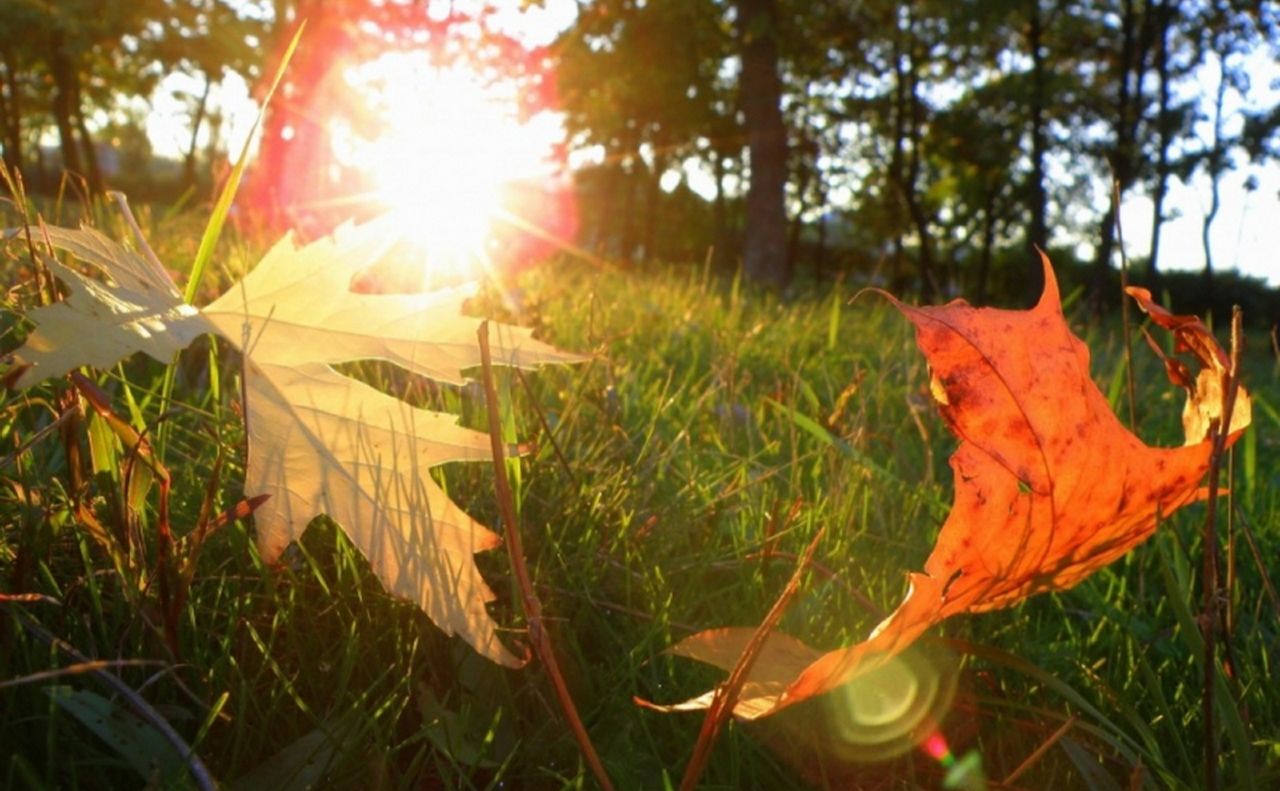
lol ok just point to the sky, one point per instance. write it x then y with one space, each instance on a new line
1244 237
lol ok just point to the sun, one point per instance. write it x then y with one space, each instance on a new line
445 152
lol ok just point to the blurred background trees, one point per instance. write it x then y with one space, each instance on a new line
926 144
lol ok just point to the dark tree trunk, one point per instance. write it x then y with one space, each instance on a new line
720 212
189 160
92 167
63 73
1215 167
765 256
897 159
1038 234
988 242
653 197
629 231
919 217
10 110
1164 119
1130 68
796 231
611 184
820 254
908 123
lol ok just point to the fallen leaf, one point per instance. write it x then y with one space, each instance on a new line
1049 487
1206 392
319 442
100 324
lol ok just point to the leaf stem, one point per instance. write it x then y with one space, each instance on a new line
515 550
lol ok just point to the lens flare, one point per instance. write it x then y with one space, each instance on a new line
964 774
890 709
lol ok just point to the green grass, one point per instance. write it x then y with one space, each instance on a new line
690 441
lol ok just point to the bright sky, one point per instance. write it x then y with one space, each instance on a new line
1244 236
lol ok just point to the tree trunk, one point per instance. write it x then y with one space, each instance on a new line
92 167
765 256
653 197
10 110
919 217
1164 135
1038 234
988 242
189 160
1130 68
606 205
63 73
897 159
820 254
796 231
627 252
1215 166
908 121
720 212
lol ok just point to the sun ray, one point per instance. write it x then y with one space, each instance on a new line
443 151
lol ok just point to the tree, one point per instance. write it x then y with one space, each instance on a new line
73 57
642 82
206 39
765 252
1228 34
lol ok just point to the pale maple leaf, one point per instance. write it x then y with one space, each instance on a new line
319 442
1049 485
99 324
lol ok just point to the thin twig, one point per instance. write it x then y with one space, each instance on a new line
199 772
28 598
515 550
819 568
77 669
1124 314
726 695
546 429
1267 584
1209 616
1039 752
66 415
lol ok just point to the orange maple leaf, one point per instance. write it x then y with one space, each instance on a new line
1049 486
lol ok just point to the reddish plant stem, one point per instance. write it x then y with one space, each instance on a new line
726 696
515 550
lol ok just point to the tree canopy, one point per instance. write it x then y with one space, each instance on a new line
922 142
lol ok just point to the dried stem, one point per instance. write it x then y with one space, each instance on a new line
550 435
515 550
1039 752
1124 316
726 696
1211 592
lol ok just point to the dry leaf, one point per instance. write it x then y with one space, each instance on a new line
1206 392
99 324
1049 486
319 442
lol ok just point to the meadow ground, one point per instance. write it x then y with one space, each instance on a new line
677 475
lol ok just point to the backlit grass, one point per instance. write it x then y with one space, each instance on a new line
712 433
